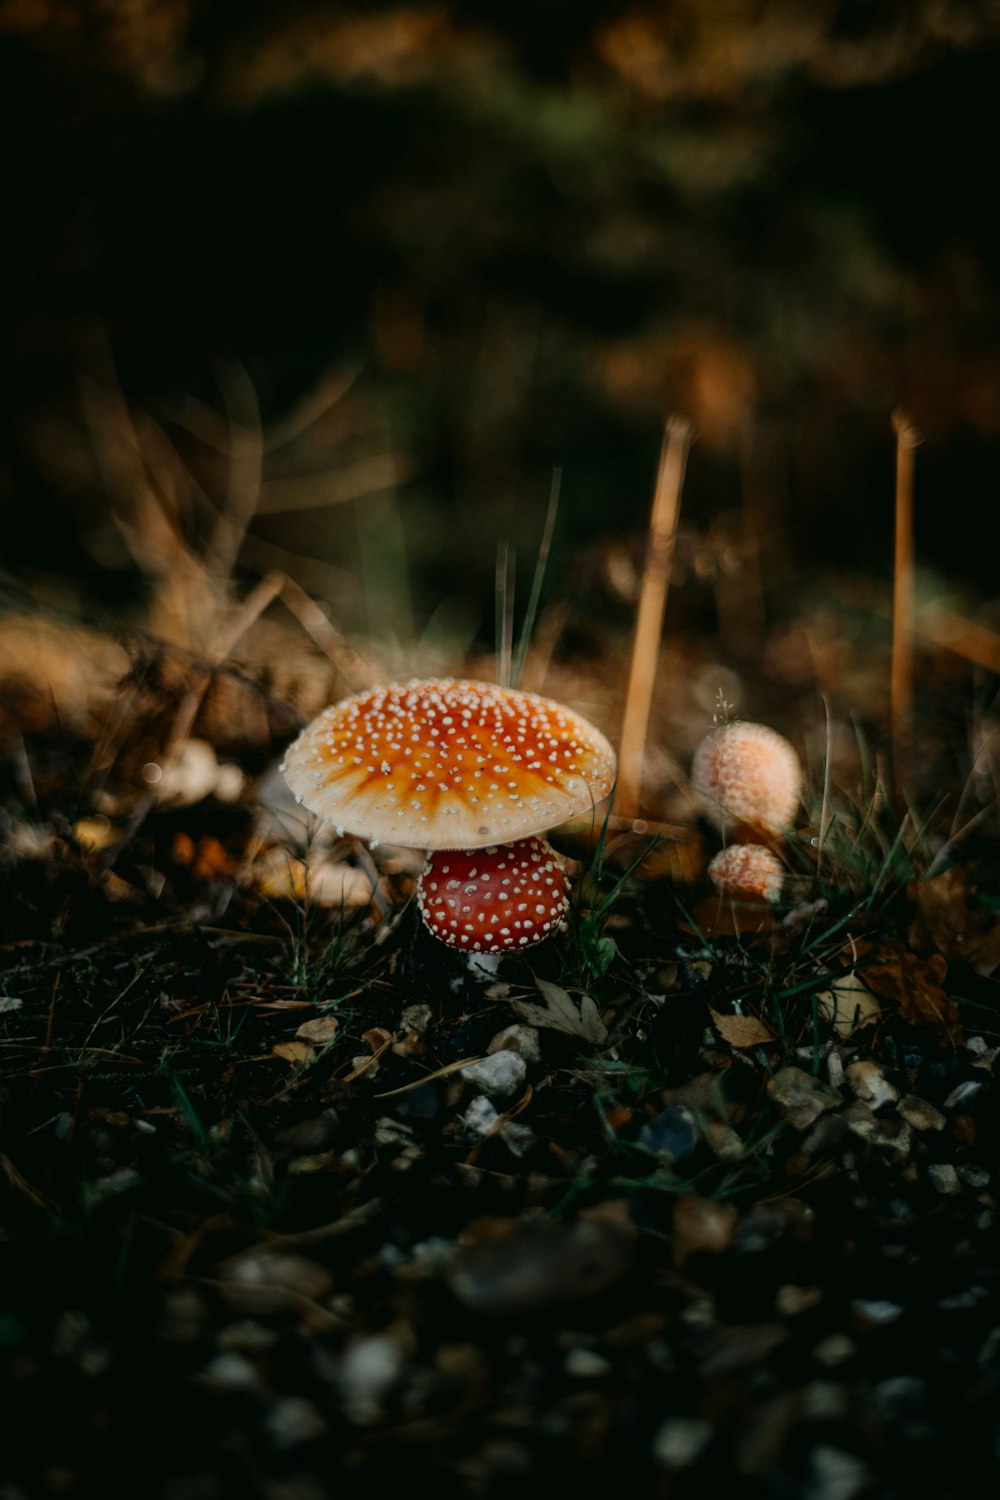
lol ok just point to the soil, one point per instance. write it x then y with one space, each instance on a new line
299 1204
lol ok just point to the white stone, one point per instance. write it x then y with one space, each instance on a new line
498 1074
680 1441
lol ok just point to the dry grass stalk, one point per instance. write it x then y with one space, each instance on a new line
901 691
652 603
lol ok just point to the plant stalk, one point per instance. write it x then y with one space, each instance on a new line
677 437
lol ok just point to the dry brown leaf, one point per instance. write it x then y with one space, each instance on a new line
915 984
740 1031
849 1004
949 922
294 1052
319 1030
560 1013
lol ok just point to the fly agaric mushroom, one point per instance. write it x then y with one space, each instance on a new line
463 766
747 872
747 777
494 899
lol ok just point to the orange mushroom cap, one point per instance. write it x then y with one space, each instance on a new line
448 764
492 900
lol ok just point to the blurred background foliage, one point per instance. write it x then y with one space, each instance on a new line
361 275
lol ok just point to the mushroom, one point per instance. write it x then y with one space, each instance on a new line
747 777
463 766
494 899
747 872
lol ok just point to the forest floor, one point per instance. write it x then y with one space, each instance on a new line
297 1204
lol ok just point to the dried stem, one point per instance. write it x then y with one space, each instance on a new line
901 691
652 602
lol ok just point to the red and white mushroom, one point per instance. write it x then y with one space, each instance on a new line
494 899
457 765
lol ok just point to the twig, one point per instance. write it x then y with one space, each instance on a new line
652 603
901 691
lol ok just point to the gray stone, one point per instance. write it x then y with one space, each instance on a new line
869 1084
499 1074
802 1097
519 1038
921 1115
944 1177
671 1133
680 1440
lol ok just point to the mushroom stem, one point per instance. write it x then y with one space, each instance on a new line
901 690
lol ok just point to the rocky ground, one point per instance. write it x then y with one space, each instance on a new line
297 1204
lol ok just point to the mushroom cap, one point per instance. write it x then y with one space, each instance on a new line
494 900
747 872
448 764
747 775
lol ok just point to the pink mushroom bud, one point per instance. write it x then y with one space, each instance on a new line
747 872
493 900
747 777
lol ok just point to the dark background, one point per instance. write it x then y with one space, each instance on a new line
517 235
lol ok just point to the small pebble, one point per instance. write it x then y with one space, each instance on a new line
875 1311
480 1117
834 1474
232 1372
944 1177
293 1420
416 1018
973 1176
823 1401
802 1097
541 1264
370 1367
722 1140
921 1115
680 1441
964 1301
869 1084
792 1300
519 1038
585 1364
834 1349
671 1133
499 1074
963 1093
891 1135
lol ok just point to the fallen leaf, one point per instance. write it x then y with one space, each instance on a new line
848 1004
294 1052
915 984
740 1031
560 1013
319 1030
949 922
